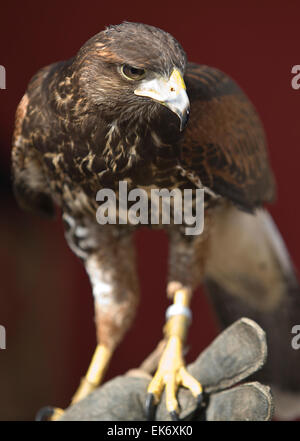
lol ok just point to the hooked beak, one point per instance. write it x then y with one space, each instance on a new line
170 93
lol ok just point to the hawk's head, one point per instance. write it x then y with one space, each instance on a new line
134 69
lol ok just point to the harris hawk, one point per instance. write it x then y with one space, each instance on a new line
118 111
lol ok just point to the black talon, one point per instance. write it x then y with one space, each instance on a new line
174 415
200 405
199 401
150 407
45 413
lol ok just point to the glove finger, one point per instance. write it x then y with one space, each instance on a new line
236 353
248 402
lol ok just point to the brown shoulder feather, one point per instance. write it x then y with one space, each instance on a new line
224 143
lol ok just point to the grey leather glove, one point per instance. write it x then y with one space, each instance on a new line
236 353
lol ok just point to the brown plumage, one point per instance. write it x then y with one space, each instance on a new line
80 127
224 143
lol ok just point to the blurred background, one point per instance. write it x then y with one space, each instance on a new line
45 298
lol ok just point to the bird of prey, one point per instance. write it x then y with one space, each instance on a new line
118 111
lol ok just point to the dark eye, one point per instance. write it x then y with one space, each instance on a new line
132 73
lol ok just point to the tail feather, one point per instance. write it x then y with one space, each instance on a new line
249 273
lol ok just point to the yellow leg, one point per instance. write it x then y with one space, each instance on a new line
92 379
171 372
95 373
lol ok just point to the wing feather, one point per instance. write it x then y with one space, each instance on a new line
224 143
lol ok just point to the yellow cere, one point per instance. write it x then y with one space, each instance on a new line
177 78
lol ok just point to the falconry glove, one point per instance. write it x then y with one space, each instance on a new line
236 353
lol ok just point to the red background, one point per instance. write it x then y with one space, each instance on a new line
45 300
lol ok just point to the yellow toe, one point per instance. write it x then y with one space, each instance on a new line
171 374
188 381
